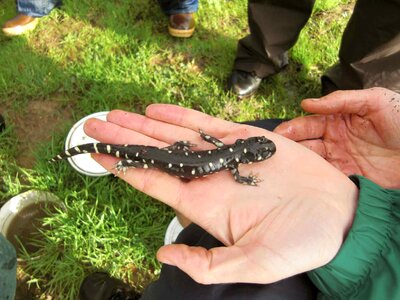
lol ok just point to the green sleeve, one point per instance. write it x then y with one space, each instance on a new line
8 269
368 263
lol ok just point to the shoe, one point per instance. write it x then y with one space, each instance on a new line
101 286
243 84
19 25
181 25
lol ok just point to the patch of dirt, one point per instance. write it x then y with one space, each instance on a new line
344 10
37 124
55 32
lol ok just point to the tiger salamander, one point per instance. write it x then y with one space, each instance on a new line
179 160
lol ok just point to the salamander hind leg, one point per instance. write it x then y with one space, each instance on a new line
248 180
125 164
211 139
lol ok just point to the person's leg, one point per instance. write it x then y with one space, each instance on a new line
173 7
28 13
370 50
181 16
268 124
8 269
36 8
274 28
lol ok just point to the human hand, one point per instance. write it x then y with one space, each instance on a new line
295 220
356 131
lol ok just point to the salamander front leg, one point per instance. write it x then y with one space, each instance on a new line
249 180
180 146
210 139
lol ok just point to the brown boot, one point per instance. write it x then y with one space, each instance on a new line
19 25
181 25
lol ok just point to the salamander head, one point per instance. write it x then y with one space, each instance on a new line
257 149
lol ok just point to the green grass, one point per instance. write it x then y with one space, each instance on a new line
97 55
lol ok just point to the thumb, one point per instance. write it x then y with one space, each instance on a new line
358 102
217 265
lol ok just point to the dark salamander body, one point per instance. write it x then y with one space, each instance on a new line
180 161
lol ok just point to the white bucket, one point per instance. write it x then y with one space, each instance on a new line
84 163
20 215
173 230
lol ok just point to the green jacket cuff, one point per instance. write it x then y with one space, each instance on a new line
367 247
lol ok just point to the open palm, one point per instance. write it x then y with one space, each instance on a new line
357 131
294 221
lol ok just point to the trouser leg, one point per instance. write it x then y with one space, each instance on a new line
8 269
370 49
36 8
172 7
268 124
274 28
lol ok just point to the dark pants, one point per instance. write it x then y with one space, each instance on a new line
177 285
369 53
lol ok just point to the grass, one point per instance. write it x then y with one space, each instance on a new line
96 55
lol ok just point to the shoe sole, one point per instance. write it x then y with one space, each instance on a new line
243 96
181 33
21 29
246 95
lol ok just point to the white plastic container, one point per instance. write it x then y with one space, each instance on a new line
173 230
84 163
21 216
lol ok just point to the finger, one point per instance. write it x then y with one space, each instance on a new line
190 118
153 128
303 128
215 266
357 102
107 132
317 146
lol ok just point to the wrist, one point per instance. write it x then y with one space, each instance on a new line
350 204
343 206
